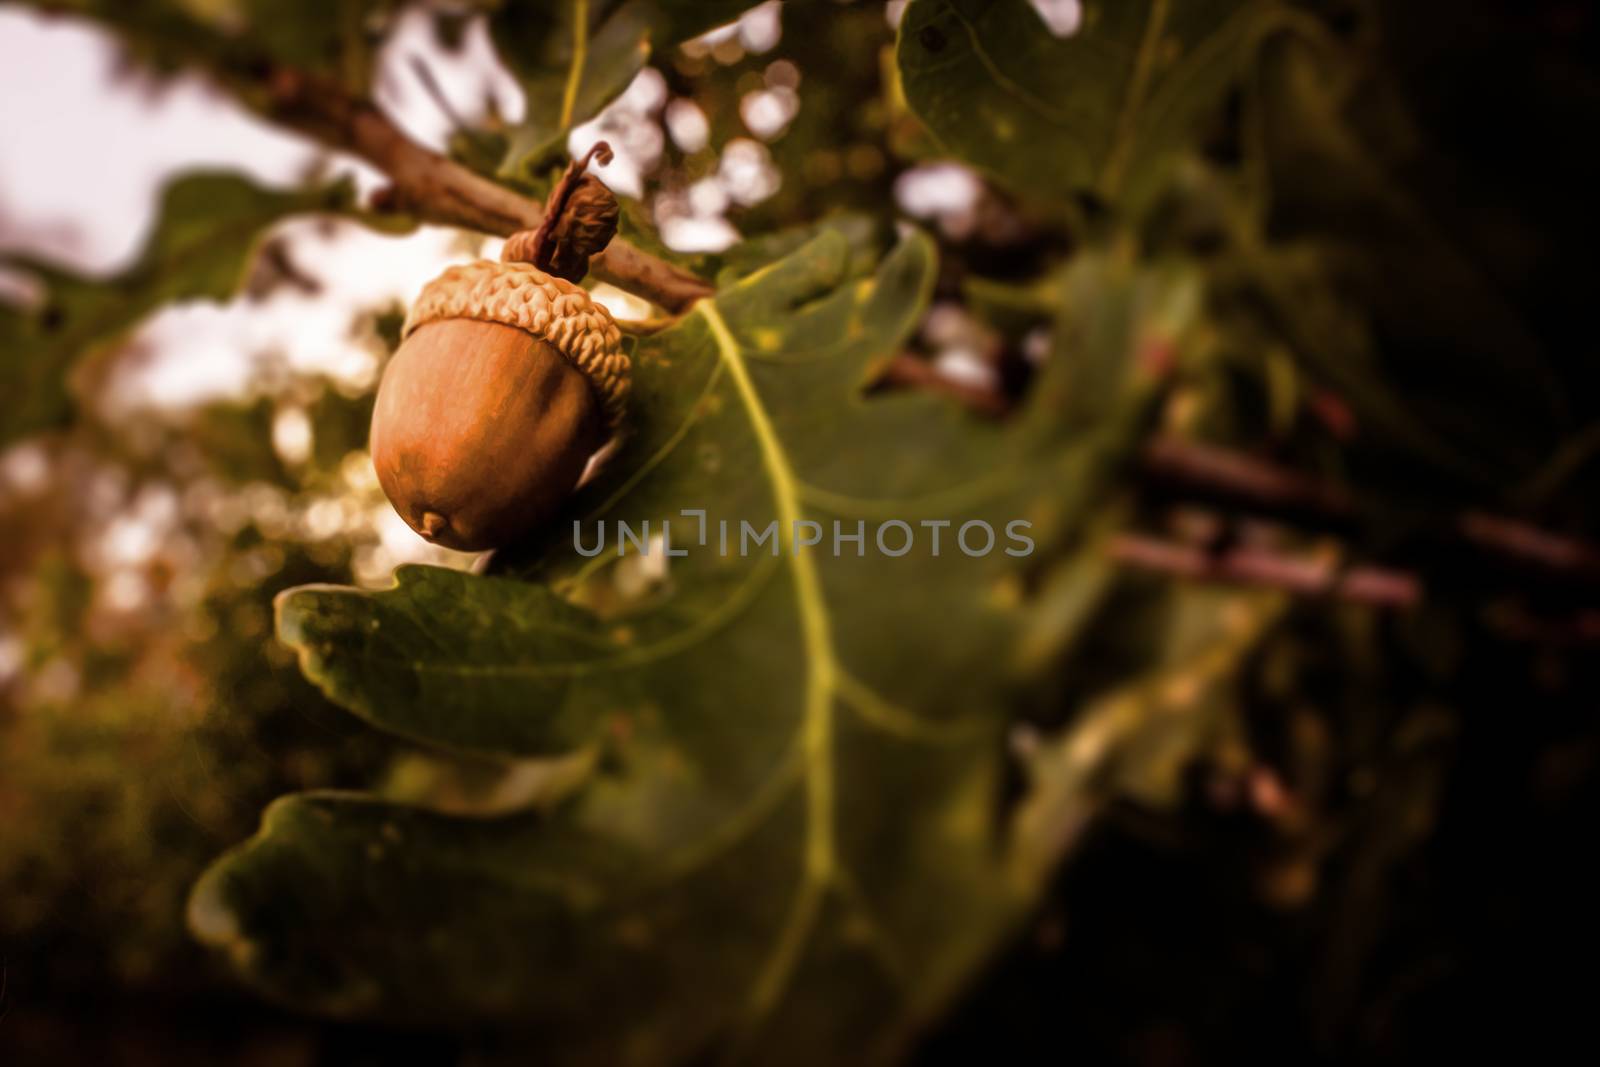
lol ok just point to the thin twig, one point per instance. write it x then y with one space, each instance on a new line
1529 544
1203 471
1301 575
435 91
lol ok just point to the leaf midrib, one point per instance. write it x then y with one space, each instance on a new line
580 57
822 674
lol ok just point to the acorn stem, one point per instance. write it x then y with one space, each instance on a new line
536 249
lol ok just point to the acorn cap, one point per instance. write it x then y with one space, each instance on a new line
549 308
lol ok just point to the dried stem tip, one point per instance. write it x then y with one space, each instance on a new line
580 219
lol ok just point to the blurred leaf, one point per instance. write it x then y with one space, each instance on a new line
864 234
236 440
204 237
1104 109
337 37
791 811
333 37
1136 740
1011 306
573 57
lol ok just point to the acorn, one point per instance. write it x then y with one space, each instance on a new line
507 380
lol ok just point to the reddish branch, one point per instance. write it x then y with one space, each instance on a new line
1233 478
1305 576
1529 544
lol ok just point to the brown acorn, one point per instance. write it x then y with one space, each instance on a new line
506 382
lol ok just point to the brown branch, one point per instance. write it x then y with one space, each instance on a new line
1234 478
439 190
1302 575
1529 544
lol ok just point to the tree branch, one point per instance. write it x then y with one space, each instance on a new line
1235 479
439 190
1303 576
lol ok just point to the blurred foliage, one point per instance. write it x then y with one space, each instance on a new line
840 809
139 737
1104 109
201 248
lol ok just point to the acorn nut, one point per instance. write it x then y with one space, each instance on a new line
506 382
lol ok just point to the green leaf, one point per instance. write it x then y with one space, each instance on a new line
204 237
338 38
573 57
864 234
1106 109
798 756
